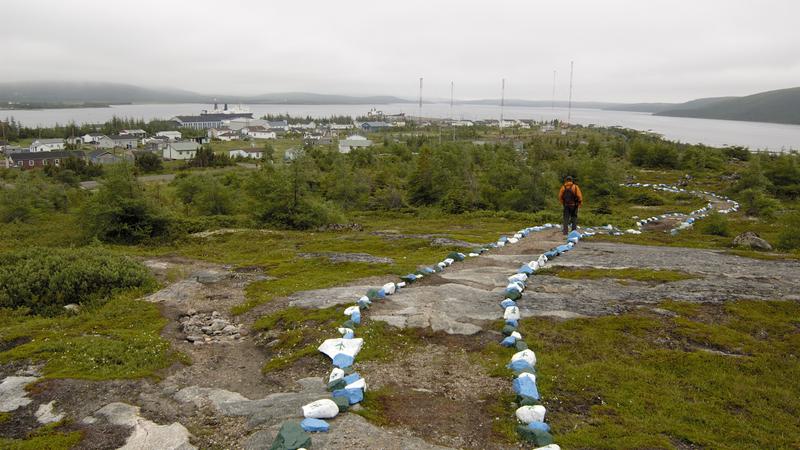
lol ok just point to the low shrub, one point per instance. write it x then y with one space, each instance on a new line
715 224
43 280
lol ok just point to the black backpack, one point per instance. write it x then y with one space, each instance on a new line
570 198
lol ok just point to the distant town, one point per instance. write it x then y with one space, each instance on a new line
183 135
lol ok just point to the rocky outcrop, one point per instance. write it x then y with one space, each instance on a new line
751 240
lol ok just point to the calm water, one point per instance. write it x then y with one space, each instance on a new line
755 135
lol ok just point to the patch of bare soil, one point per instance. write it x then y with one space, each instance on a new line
439 392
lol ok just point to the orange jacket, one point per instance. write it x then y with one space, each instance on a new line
575 189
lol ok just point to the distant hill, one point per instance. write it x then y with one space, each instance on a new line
307 98
69 93
538 103
660 107
781 106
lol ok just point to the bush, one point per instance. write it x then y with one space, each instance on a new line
789 237
646 198
757 203
43 280
715 224
148 162
122 213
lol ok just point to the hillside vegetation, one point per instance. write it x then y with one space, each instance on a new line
781 106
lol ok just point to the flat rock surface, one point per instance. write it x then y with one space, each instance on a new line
13 394
146 434
464 296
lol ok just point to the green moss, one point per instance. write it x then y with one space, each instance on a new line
634 274
373 406
640 381
504 425
120 339
46 437
300 331
4 417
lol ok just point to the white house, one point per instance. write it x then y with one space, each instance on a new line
353 141
171 135
259 133
47 145
252 153
139 133
224 134
181 150
462 123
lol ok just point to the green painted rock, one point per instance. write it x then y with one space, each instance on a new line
342 402
291 437
538 438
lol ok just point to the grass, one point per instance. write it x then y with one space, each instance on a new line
643 381
120 339
372 407
631 273
301 330
46 437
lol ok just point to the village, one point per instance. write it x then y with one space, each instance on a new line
244 135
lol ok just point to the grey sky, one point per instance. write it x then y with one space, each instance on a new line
633 50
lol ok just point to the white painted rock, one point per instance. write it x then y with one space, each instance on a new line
389 288
526 355
336 374
528 414
321 409
333 347
511 313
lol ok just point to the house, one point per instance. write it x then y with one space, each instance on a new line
103 141
206 121
462 123
32 160
310 139
277 125
303 126
181 150
10 149
353 141
91 138
171 135
47 145
259 133
125 141
102 156
375 126
252 153
137 133
340 126
74 140
224 134
244 122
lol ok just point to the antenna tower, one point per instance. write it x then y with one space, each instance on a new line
569 109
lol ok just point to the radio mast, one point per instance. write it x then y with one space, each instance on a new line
569 108
419 117
502 100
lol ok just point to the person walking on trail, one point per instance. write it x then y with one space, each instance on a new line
570 196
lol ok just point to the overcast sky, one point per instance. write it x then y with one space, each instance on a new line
634 50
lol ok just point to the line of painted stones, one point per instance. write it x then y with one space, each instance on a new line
347 386
530 413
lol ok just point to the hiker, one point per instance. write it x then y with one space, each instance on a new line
570 196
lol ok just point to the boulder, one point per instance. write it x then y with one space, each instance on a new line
751 240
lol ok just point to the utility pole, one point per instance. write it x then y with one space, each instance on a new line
569 108
419 115
452 118
502 103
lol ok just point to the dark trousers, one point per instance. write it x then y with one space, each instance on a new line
570 218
